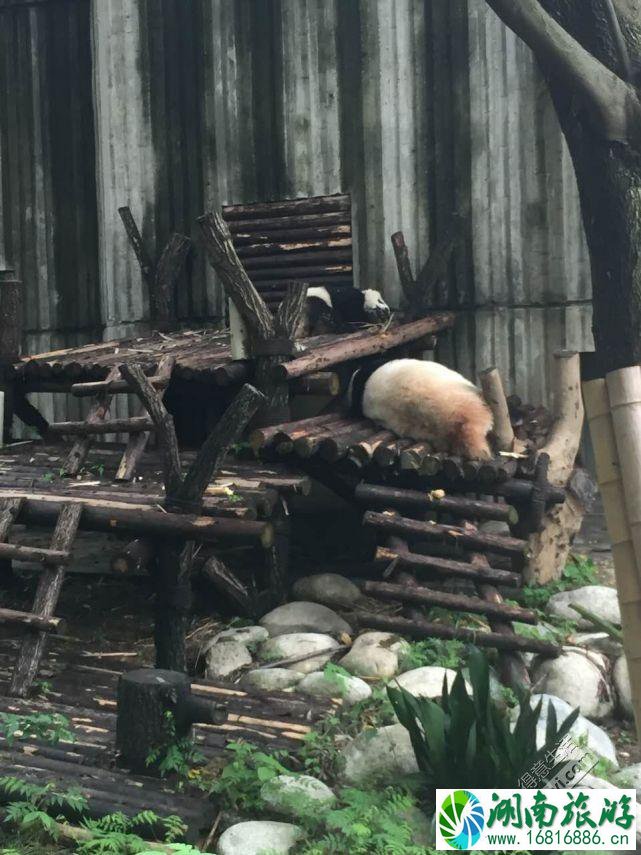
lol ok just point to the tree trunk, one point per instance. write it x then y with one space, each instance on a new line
609 181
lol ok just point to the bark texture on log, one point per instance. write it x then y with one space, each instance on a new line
425 629
145 697
417 530
550 547
45 601
425 596
494 394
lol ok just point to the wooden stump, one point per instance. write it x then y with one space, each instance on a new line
550 547
145 697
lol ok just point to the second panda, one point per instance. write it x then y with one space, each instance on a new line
336 309
425 401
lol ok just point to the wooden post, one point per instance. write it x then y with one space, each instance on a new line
239 339
10 342
550 547
10 317
145 696
404 267
160 278
162 296
492 387
271 339
173 556
626 562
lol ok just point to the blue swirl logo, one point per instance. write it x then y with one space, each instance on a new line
461 819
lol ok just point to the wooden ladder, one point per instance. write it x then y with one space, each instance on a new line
97 422
40 620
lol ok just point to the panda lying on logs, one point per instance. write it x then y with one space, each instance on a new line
424 401
331 308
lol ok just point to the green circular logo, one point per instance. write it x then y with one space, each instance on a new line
461 819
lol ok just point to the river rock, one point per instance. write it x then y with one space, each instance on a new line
374 655
258 837
351 690
599 642
296 795
246 635
621 678
599 599
271 679
597 739
371 661
304 617
426 682
330 589
578 678
225 658
296 644
379 756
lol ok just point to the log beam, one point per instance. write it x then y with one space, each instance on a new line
424 596
453 535
348 348
401 499
425 629
28 620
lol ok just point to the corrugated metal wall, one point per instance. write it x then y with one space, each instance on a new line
417 107
48 185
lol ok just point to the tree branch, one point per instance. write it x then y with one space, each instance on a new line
612 101
227 431
223 258
290 311
619 40
165 430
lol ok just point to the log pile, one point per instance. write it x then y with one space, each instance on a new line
282 242
427 557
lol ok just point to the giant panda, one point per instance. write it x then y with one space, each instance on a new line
424 401
332 308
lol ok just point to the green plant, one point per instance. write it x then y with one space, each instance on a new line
363 823
43 687
175 755
238 785
30 814
433 651
50 727
467 741
578 572
337 677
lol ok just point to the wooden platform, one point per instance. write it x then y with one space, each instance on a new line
202 354
34 468
82 687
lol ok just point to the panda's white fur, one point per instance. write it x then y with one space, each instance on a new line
373 300
320 293
427 401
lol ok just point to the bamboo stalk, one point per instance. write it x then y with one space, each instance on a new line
608 474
